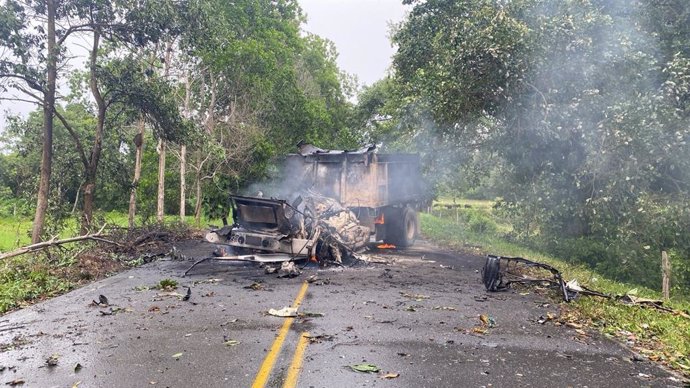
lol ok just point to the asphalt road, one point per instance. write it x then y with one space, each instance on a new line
416 317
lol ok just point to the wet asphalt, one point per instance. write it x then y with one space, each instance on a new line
414 314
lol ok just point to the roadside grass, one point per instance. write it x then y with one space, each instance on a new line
660 336
465 203
14 233
31 277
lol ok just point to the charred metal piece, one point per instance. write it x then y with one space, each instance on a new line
495 279
255 258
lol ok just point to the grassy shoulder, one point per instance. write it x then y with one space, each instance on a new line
658 335
32 277
16 232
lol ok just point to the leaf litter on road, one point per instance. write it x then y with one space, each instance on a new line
365 368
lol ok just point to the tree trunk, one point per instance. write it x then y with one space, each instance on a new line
183 153
183 182
92 167
139 144
197 206
48 109
160 208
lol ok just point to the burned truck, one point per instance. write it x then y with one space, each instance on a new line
329 205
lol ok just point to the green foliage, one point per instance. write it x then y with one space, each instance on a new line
28 278
126 82
166 284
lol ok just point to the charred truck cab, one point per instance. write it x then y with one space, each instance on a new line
333 203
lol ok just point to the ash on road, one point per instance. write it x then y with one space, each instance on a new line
417 318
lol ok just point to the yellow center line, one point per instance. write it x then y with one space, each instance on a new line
265 370
296 364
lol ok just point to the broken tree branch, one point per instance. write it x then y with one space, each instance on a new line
53 242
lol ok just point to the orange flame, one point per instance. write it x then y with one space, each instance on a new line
386 246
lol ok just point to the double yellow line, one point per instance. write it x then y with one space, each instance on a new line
296 365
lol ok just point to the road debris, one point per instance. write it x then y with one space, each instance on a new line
498 277
177 356
187 295
288 270
390 375
543 319
256 286
173 294
494 274
365 368
15 382
315 339
417 297
52 360
444 308
487 321
231 342
284 312
102 302
310 315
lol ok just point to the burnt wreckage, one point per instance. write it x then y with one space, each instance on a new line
333 203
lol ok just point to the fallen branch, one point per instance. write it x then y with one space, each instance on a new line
150 236
53 242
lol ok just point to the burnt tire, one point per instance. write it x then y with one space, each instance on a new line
401 227
491 273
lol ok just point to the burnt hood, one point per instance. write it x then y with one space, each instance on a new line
261 214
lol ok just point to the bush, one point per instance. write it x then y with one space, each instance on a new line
482 224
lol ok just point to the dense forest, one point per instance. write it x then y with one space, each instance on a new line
573 114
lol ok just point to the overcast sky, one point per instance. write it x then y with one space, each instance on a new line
359 29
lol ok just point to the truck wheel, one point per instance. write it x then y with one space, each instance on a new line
401 230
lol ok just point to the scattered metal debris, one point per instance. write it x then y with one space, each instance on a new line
498 277
284 312
288 270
